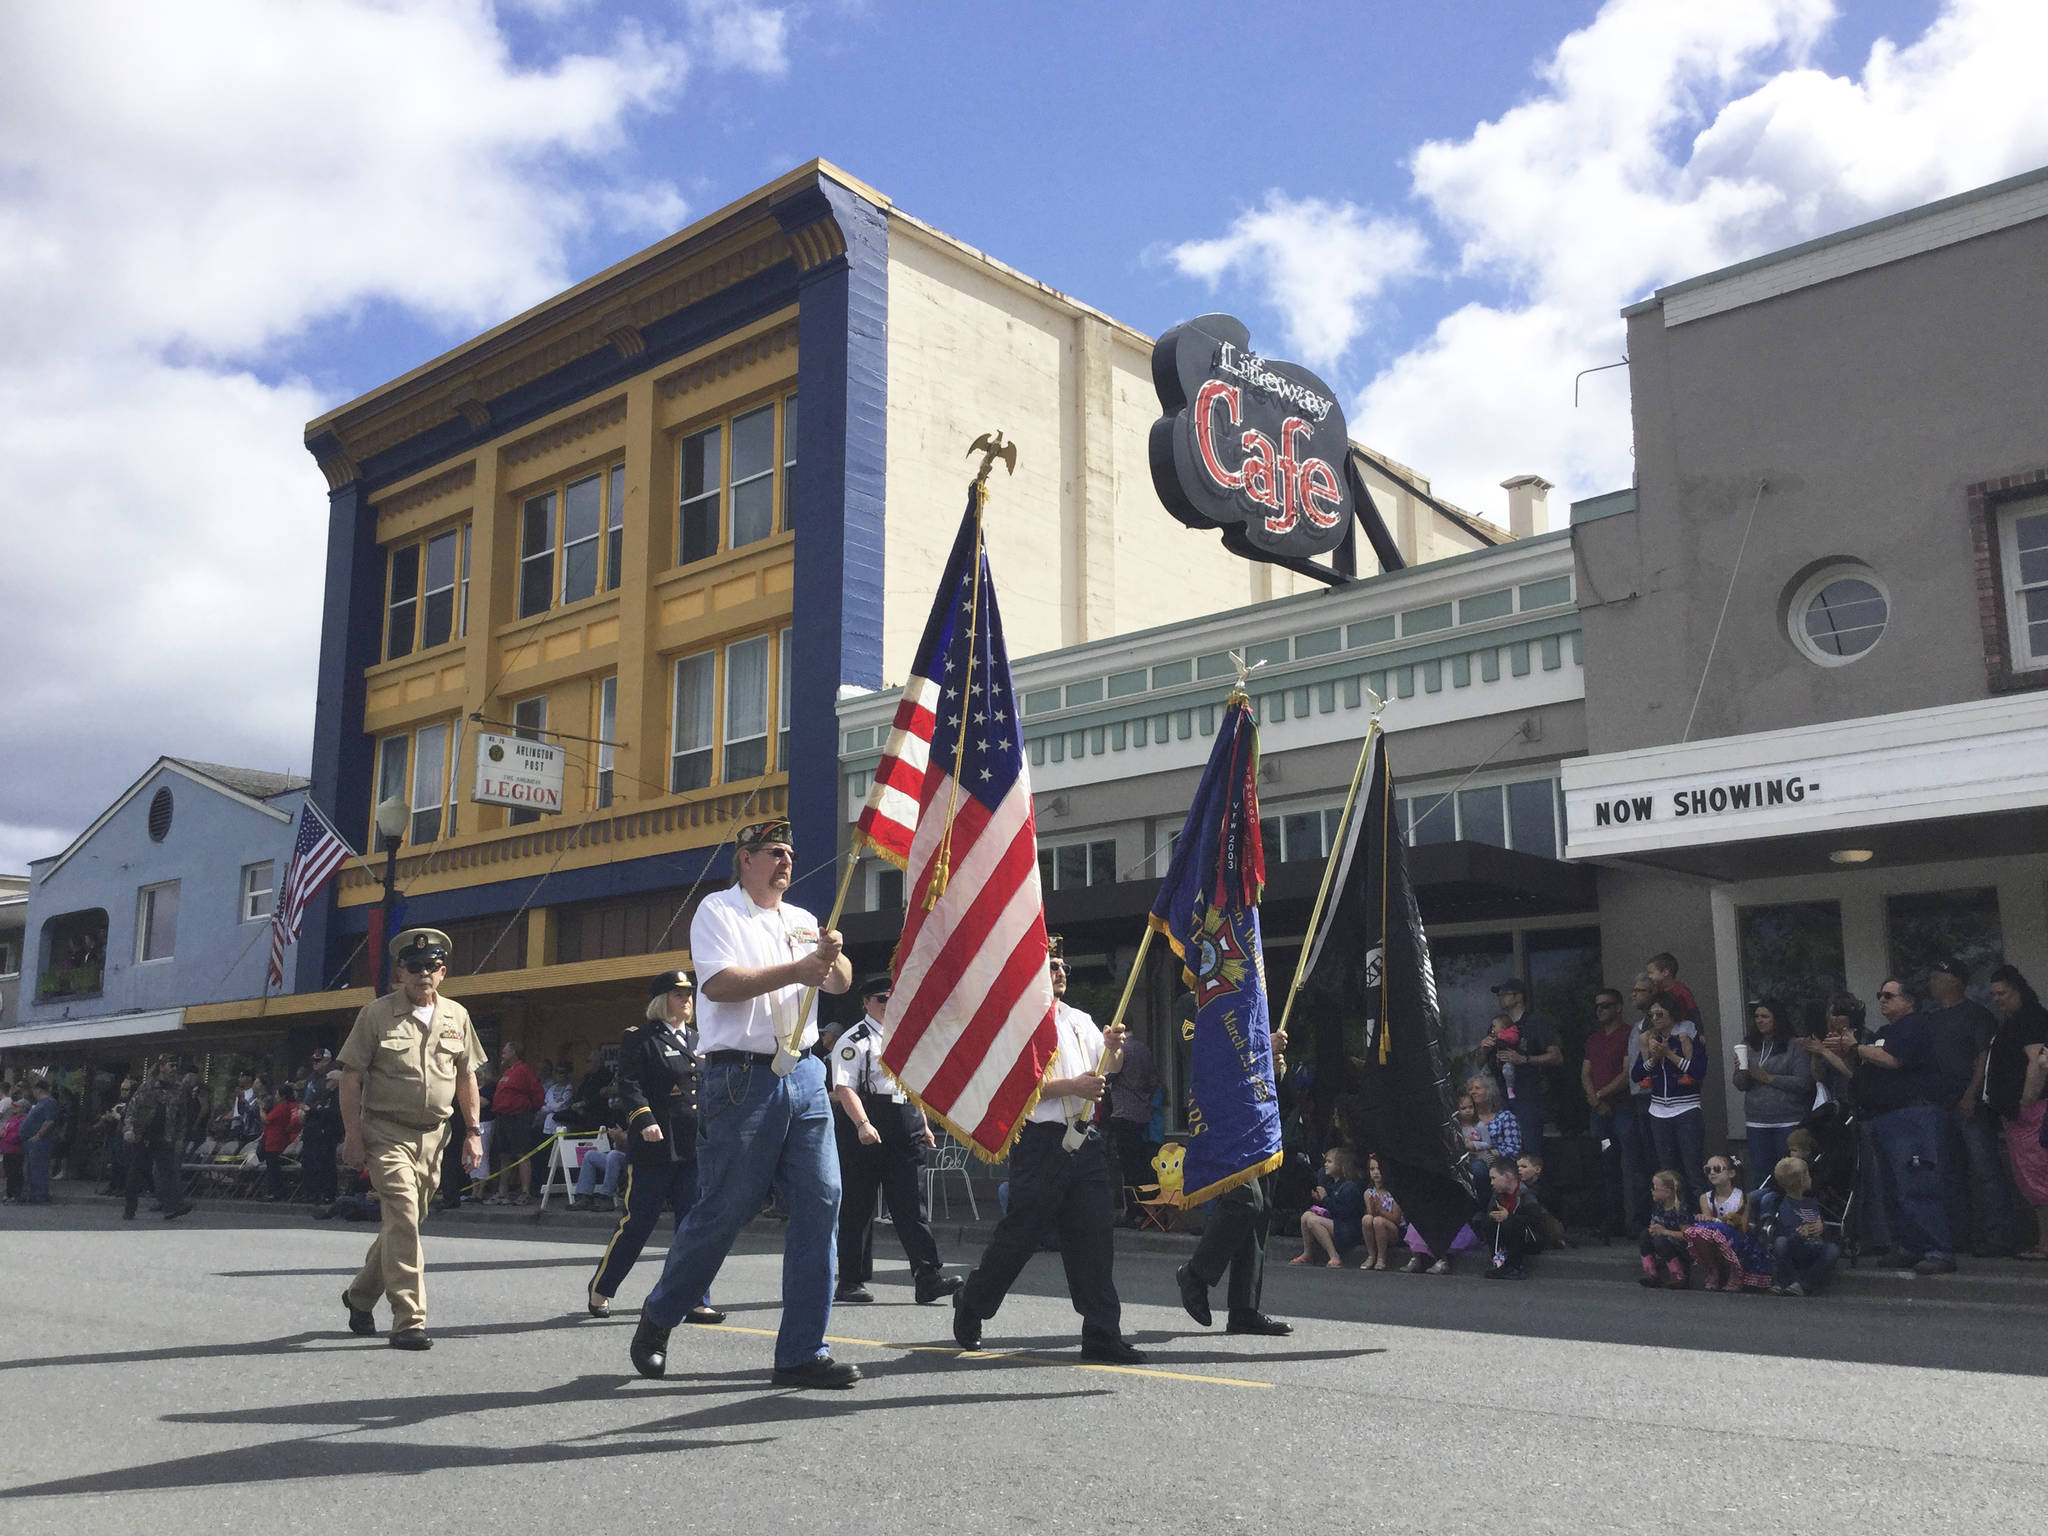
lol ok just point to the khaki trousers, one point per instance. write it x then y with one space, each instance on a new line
404 1167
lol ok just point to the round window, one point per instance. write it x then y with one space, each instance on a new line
1837 614
159 815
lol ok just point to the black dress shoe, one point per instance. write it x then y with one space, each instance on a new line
360 1320
1111 1351
1193 1295
931 1288
966 1326
650 1350
180 1210
411 1338
822 1372
853 1293
707 1316
1248 1320
600 1306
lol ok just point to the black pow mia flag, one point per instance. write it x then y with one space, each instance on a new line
1369 978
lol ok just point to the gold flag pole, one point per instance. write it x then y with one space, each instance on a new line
991 447
1077 1131
1315 916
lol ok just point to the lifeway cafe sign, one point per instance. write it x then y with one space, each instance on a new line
510 770
1254 447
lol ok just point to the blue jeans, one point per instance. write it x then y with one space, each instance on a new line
1681 1146
1974 1175
39 1156
1801 1258
1909 1163
1766 1146
601 1172
756 1132
1873 1223
1527 1108
1624 1178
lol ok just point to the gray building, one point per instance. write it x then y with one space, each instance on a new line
1477 657
13 920
1816 630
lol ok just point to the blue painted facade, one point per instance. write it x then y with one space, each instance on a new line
215 955
842 305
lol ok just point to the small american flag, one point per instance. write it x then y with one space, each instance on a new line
969 1032
317 853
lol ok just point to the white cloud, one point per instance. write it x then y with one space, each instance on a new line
183 189
1666 141
738 34
1321 265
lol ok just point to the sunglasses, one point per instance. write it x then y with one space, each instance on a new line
422 967
1885 997
1605 1007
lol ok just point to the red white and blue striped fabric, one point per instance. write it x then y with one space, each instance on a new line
969 1032
317 853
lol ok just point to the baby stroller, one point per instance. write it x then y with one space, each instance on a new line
1836 1185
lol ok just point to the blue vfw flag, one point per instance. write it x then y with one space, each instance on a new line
1208 909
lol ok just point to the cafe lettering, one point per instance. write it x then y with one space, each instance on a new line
1710 800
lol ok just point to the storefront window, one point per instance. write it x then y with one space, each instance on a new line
1466 969
1793 954
1922 927
1564 973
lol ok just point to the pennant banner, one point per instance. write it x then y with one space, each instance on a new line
1379 1035
1208 909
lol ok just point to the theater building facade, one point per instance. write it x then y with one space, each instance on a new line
1816 631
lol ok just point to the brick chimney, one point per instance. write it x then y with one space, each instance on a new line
1528 505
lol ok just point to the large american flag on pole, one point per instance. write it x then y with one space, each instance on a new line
317 853
969 1032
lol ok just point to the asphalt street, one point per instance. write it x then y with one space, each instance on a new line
199 1376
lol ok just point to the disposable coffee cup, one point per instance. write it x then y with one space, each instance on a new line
1742 1057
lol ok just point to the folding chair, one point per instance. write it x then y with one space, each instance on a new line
1158 1205
565 1160
948 1157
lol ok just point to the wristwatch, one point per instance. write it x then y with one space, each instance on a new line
474 1130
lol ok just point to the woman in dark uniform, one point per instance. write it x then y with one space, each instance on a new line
657 1098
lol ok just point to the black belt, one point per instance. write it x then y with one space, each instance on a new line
740 1058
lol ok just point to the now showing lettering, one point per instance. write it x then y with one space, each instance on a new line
1711 800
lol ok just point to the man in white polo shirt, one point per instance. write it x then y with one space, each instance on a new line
755 956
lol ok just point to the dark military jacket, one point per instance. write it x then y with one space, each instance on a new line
156 1113
658 1078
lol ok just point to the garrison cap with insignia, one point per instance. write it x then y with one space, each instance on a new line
1056 948
764 834
671 981
422 947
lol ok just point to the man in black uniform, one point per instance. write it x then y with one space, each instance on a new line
1239 1221
657 1097
882 1140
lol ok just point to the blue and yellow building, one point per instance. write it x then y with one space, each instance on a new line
665 518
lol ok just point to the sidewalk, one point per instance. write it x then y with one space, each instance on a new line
1999 1282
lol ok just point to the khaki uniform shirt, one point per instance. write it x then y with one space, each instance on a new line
409 1069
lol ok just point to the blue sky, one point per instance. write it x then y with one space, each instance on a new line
221 218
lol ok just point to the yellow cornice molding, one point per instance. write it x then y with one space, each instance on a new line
606 413
728 360
433 488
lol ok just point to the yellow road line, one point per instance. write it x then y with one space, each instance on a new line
991 1354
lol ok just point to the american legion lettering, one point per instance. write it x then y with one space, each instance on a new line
1750 794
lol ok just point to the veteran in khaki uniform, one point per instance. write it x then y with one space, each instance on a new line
410 1058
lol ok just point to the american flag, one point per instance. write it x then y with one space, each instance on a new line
969 1032
317 853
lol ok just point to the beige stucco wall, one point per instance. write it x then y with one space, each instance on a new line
1079 543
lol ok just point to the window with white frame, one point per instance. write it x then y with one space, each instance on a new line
258 881
2023 539
156 922
607 723
693 732
529 720
788 460
885 889
429 782
783 648
393 753
746 709
10 958
426 600
1071 866
1294 835
1521 815
576 528
753 476
731 476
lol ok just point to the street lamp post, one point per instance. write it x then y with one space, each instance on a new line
392 815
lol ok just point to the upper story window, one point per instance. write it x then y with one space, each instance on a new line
607 724
1296 835
529 720
258 881
729 711
74 954
577 529
1521 816
1837 613
785 647
730 492
156 921
416 767
1075 865
2023 540
426 600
